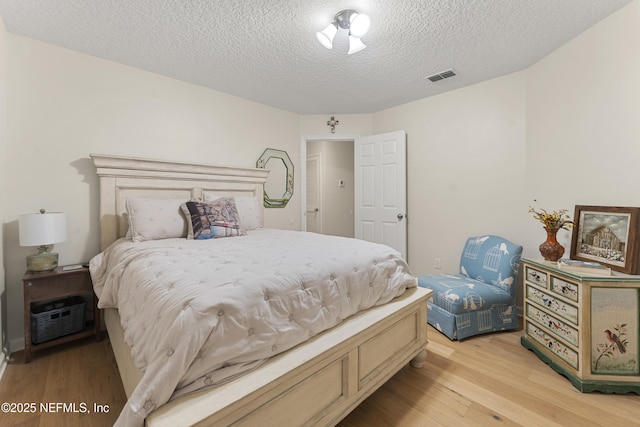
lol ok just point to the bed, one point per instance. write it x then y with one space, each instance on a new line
312 381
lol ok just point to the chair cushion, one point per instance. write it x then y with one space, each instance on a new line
491 259
459 294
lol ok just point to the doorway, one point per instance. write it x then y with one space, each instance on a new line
328 199
380 168
314 192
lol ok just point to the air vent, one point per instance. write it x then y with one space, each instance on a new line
442 75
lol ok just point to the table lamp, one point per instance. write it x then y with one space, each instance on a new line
42 229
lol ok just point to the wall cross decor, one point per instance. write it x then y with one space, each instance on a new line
333 123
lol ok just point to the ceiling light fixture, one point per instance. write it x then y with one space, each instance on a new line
358 25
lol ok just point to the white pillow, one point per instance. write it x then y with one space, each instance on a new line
249 209
153 219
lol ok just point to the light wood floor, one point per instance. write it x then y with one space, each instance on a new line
485 380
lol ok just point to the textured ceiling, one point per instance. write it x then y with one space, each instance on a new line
266 50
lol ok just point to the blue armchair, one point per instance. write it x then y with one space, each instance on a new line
481 297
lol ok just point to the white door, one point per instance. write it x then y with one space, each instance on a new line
314 192
381 189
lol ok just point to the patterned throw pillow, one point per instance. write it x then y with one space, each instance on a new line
210 220
249 209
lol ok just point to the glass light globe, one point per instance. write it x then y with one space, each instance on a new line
325 37
355 45
360 24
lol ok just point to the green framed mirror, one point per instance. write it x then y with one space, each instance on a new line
278 188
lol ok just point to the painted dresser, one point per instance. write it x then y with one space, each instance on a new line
585 327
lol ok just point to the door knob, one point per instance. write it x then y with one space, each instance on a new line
400 216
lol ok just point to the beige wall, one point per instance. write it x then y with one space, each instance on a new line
350 124
465 168
564 132
583 120
64 105
3 192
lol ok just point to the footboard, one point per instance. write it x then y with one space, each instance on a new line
319 382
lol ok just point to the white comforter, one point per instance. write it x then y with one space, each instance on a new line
196 313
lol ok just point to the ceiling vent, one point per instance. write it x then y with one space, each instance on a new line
442 75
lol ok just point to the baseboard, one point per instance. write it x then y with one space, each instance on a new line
16 344
3 361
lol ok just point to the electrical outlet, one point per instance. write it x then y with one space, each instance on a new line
437 264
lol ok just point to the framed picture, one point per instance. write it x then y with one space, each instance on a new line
608 235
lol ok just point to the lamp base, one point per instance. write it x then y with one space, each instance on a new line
42 261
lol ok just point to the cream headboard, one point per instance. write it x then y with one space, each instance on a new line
122 177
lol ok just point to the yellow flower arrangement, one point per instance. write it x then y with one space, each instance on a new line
555 220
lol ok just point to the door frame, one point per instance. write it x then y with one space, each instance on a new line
303 172
320 205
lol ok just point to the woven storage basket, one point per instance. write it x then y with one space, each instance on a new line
57 318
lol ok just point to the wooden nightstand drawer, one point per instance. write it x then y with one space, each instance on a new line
58 286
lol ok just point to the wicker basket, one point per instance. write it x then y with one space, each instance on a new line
57 318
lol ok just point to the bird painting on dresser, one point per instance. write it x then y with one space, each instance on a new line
613 349
613 338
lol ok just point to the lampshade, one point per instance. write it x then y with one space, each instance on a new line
360 24
42 228
325 37
355 45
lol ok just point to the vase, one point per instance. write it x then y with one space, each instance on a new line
550 249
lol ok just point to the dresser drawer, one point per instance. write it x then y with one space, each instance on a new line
553 324
550 343
551 303
535 276
565 288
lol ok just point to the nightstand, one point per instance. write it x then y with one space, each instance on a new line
53 285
